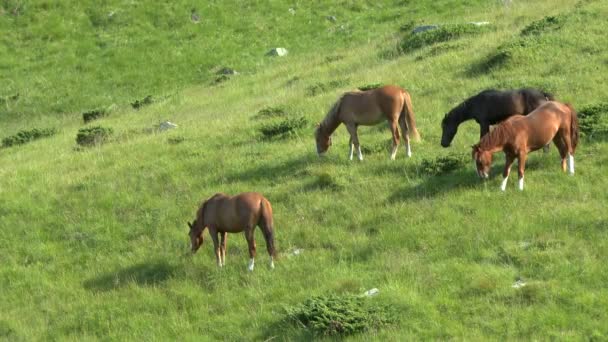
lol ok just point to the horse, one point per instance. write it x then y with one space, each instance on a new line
521 134
490 107
224 214
369 108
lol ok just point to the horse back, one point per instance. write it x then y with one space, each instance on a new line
372 106
234 214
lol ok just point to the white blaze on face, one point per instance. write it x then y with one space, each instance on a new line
571 163
251 264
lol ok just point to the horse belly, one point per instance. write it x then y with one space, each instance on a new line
369 118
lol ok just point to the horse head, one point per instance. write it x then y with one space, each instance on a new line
323 140
483 161
196 234
448 130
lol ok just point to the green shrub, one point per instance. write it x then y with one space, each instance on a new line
327 181
370 86
23 137
320 87
93 135
550 23
594 119
143 102
443 164
441 34
341 315
284 128
93 115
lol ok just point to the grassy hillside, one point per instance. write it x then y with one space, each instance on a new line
93 241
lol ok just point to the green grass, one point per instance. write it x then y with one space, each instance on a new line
93 242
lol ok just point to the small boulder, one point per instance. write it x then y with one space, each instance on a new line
480 23
166 125
292 11
280 52
332 18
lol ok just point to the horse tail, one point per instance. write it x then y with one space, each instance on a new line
266 223
410 118
574 129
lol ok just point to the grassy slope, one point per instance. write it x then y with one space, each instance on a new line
93 242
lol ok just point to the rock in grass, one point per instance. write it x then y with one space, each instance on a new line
166 125
227 71
279 52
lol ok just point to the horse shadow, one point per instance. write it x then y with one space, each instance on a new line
436 185
143 274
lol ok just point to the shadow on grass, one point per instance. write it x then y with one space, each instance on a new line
436 185
293 167
143 274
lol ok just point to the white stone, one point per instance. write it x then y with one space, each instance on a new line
166 125
371 292
280 52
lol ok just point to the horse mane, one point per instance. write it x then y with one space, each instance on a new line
331 122
455 115
499 136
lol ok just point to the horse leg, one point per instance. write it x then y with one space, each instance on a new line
216 245
405 133
352 129
569 151
509 159
558 140
251 244
224 237
521 165
269 237
351 149
395 132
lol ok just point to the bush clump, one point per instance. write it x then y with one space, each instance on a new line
93 115
143 102
441 34
93 135
594 119
550 23
370 86
319 88
327 181
443 164
23 137
284 128
341 315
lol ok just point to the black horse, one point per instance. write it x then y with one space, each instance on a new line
491 107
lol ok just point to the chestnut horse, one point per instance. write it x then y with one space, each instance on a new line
369 108
520 134
223 214
490 107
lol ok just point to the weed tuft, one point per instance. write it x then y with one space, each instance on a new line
443 164
546 24
370 86
441 34
319 88
93 135
283 129
270 112
593 119
327 181
333 315
93 115
143 102
24 137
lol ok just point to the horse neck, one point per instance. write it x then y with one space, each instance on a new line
459 114
330 123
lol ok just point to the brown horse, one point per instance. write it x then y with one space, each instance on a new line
520 134
369 108
223 214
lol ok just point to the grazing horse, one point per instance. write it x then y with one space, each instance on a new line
490 107
224 214
520 134
369 108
